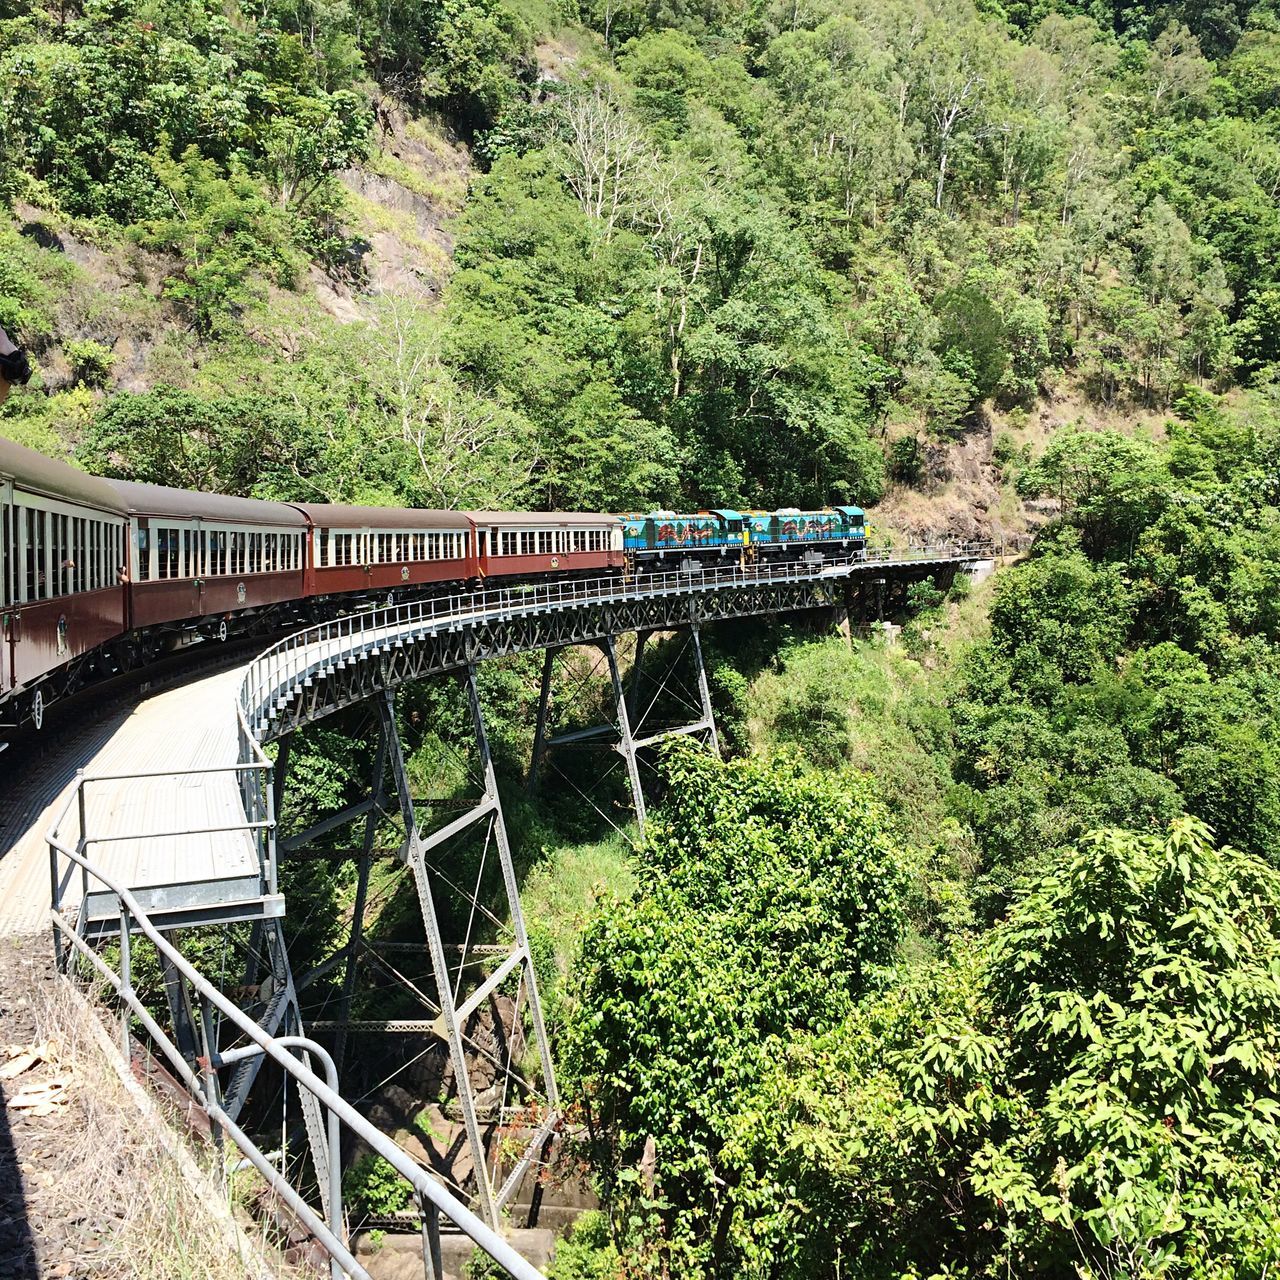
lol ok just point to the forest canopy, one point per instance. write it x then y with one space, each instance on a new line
737 254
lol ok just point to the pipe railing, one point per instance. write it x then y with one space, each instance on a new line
282 668
201 1080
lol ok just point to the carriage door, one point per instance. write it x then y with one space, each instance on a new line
199 567
8 585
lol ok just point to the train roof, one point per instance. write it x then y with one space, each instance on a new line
183 504
39 474
543 519
326 515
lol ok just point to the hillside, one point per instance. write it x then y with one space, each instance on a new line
965 961
626 257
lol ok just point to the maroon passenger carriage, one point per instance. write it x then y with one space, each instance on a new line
200 560
97 576
62 545
382 549
533 544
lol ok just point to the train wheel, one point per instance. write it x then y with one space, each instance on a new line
37 709
221 632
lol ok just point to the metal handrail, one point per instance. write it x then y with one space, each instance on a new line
275 671
431 1195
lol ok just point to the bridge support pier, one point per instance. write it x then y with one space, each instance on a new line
455 1012
630 712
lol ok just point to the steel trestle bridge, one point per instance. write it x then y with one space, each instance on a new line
109 883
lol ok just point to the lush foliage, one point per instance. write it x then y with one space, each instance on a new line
1132 670
743 255
770 903
1091 1090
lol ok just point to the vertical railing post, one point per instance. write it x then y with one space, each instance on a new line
126 980
432 1261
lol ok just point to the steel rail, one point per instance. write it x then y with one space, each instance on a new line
423 1184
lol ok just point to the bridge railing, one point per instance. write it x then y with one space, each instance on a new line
279 669
209 1005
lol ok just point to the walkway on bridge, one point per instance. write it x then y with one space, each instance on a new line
192 727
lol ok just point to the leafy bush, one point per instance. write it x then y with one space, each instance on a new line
772 898
91 362
1091 1090
588 1253
372 1188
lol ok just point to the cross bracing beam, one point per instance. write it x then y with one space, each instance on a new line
455 1012
631 712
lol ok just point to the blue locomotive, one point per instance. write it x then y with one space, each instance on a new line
658 538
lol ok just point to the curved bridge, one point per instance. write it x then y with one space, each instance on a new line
110 880
322 669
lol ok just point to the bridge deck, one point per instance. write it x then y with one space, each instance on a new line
188 728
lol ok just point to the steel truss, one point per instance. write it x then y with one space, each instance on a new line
292 686
507 964
630 729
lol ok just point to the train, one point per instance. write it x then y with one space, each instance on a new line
99 576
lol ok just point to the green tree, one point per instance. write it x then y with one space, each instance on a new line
771 900
1091 1089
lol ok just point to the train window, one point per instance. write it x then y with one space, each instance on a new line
144 554
33 544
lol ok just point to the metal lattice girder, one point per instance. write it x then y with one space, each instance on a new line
454 1014
629 712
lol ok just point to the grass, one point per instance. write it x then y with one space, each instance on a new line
445 188
558 898
118 1199
881 711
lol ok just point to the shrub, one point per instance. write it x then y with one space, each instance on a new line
91 362
372 1188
